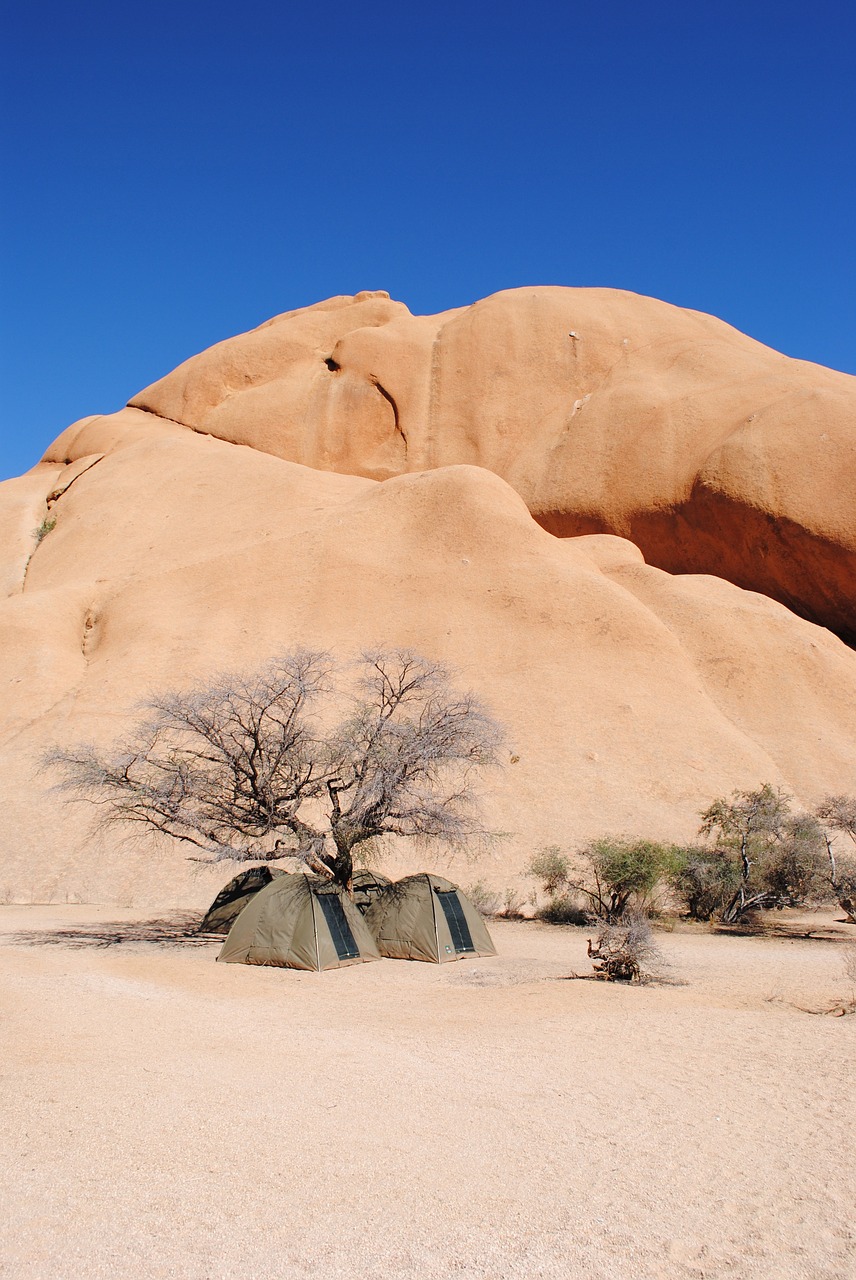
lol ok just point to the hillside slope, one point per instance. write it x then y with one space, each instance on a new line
631 696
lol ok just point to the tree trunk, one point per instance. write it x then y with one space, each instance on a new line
342 866
847 905
844 901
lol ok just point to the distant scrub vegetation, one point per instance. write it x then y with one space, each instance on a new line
754 852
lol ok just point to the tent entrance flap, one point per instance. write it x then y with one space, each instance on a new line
340 930
462 939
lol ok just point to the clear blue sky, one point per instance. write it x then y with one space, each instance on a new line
174 173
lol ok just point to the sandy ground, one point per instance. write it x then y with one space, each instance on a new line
164 1116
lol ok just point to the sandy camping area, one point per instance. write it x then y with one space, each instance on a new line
164 1116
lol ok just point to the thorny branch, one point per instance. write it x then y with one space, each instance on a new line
238 767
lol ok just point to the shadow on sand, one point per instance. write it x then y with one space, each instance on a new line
179 929
838 930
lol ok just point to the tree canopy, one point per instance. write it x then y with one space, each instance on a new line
246 766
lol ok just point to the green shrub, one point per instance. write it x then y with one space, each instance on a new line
616 874
775 858
562 909
46 527
705 881
623 873
552 868
794 868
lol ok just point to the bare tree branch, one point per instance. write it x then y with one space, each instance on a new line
227 765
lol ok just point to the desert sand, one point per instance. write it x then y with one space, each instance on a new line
168 1117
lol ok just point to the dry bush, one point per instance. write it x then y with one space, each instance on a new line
512 905
495 904
626 951
487 901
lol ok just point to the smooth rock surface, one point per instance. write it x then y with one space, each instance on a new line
631 697
605 410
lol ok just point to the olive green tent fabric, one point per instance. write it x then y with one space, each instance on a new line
299 922
234 896
367 885
425 917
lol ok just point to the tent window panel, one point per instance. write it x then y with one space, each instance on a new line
340 930
462 939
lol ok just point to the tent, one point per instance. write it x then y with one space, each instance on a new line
425 917
366 886
232 899
299 922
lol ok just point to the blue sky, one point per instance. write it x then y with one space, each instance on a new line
178 172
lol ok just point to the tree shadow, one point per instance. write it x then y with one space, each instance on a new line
832 1009
786 929
179 929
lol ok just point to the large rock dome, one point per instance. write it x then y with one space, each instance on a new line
607 412
349 475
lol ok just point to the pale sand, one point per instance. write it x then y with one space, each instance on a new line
164 1116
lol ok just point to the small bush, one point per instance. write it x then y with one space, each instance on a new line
46 527
562 909
494 903
488 902
626 952
552 868
705 881
512 906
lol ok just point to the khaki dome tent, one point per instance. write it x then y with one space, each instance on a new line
366 886
299 922
424 917
234 896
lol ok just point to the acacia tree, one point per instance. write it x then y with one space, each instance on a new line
779 855
838 815
617 877
622 874
240 768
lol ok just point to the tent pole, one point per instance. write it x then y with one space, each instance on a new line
433 895
315 931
